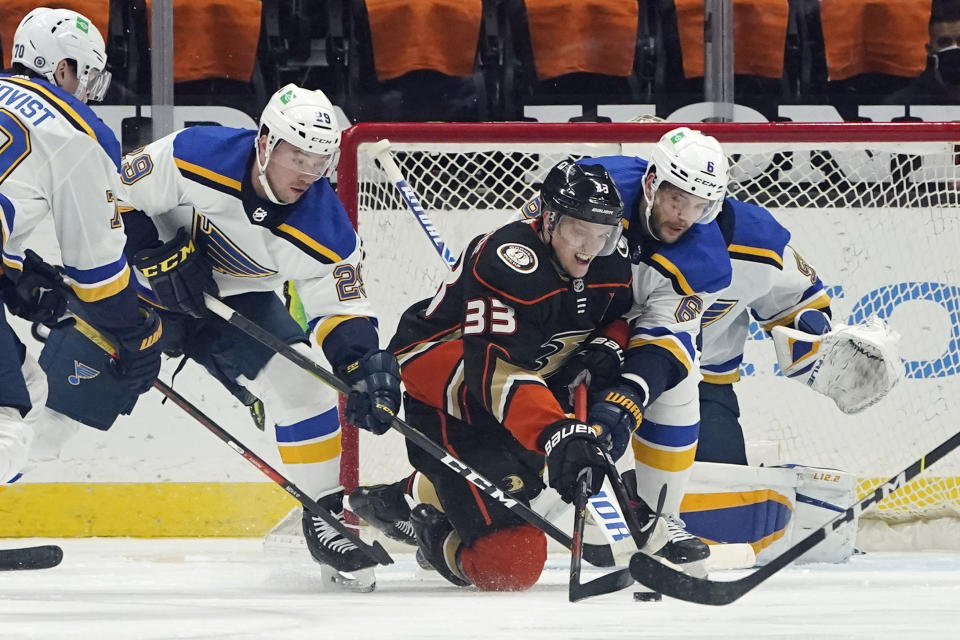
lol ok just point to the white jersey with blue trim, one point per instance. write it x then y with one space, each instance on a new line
771 282
57 159
199 179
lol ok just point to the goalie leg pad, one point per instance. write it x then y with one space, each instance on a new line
506 560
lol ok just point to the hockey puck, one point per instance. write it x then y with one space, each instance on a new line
647 596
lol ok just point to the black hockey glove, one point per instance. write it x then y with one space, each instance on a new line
138 356
618 411
38 294
572 446
178 274
596 363
375 398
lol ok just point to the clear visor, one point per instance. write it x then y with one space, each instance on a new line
589 238
315 165
96 82
684 204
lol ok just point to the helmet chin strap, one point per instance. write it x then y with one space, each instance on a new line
262 176
647 215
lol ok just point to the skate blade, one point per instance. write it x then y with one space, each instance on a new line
361 581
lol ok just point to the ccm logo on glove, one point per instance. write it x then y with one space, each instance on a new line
171 262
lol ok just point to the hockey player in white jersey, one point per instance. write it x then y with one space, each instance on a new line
854 365
680 263
236 213
57 159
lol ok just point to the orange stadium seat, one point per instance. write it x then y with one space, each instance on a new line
874 36
214 39
589 53
759 36
411 35
12 12
590 36
415 60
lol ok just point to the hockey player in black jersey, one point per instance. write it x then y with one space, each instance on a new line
477 359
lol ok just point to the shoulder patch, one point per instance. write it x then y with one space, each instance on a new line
518 257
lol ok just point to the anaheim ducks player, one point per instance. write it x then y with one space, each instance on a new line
679 261
476 359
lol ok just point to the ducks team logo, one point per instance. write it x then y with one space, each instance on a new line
518 257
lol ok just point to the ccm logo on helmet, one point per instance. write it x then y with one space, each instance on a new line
712 185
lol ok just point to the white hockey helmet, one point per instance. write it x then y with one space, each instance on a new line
47 36
692 162
305 119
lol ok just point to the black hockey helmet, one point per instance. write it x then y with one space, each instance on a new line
585 192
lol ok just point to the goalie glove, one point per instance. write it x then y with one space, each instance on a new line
855 366
178 274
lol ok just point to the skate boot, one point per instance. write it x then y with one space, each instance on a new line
683 547
327 545
652 525
439 542
384 507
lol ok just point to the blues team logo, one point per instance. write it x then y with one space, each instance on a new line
81 372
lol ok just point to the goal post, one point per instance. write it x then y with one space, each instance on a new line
873 207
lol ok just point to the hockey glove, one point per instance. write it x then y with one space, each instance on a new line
138 356
618 413
37 295
595 363
375 398
572 446
178 274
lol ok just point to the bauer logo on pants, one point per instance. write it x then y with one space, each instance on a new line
518 257
82 372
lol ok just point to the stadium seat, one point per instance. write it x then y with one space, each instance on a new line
304 45
766 54
859 51
592 52
419 60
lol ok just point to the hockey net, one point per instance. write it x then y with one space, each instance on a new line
873 207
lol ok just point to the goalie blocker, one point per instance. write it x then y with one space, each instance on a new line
855 365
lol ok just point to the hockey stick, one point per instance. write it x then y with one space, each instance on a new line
650 572
609 582
375 551
41 557
380 151
597 555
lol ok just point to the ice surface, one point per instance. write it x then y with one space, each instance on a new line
227 588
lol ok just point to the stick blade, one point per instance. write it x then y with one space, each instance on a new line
41 557
655 575
607 583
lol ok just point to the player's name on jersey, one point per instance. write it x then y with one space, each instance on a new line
25 103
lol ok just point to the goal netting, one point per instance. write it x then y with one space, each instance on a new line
873 207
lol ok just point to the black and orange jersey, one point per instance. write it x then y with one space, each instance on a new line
484 346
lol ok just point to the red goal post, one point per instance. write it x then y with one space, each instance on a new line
873 206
